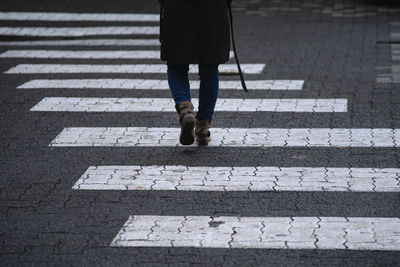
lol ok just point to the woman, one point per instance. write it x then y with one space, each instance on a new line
194 32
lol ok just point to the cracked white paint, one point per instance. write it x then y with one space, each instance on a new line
90 42
144 84
231 137
261 178
62 16
93 104
79 31
350 233
85 54
132 68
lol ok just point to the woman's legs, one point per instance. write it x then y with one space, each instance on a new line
209 81
179 85
178 82
180 89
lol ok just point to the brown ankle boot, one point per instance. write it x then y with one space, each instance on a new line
202 132
186 120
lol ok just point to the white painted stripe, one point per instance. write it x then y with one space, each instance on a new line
56 16
84 54
396 51
156 84
80 54
78 31
90 42
349 233
103 104
230 137
133 68
261 178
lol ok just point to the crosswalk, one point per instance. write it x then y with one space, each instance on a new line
62 16
103 104
112 68
78 31
396 50
265 232
347 233
260 178
88 42
152 84
229 137
84 54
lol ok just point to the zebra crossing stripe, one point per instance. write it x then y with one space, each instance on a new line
396 51
133 68
96 104
90 42
84 54
155 84
261 178
78 31
347 233
56 16
228 137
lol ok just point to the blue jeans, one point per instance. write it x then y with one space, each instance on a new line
179 85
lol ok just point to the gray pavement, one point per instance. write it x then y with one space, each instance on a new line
341 49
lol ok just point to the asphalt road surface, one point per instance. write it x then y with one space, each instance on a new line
303 170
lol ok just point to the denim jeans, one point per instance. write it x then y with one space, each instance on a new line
209 79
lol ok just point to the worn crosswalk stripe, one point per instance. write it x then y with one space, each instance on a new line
103 104
348 233
62 16
155 84
78 31
396 50
89 42
260 178
229 137
84 54
132 68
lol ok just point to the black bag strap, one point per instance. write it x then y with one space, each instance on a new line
234 49
161 16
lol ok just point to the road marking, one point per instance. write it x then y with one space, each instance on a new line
349 233
228 137
84 54
56 16
103 104
78 31
132 68
396 50
187 178
90 42
155 84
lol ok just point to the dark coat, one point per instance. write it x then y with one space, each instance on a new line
195 32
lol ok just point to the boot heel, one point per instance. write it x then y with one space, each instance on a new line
187 122
202 132
187 130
